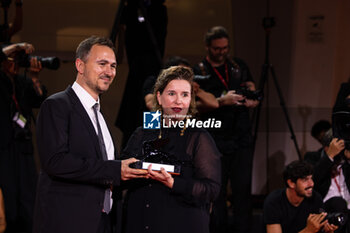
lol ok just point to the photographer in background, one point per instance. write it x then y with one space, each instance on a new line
322 132
234 139
18 95
332 178
297 207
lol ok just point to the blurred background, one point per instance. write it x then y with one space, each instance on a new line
309 50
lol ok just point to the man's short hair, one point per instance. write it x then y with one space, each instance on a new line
176 61
297 170
216 32
85 46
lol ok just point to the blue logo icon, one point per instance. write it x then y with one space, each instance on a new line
151 120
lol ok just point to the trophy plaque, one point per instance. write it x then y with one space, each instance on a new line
152 155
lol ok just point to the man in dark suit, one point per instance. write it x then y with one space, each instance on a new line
76 150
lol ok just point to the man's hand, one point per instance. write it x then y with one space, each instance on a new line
251 103
335 147
273 228
35 65
195 87
329 228
314 223
34 69
128 173
28 48
231 98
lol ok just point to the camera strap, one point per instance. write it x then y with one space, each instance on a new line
18 118
224 81
336 181
15 101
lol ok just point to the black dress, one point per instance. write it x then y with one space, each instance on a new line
150 206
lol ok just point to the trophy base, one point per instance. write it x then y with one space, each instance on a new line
172 169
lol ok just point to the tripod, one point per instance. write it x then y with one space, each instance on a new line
145 32
268 23
143 17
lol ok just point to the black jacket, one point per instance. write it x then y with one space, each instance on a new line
322 175
74 176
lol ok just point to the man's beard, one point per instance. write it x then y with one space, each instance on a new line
217 59
304 194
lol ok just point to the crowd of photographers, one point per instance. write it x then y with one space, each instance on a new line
297 208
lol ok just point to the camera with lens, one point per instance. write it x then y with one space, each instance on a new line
338 219
251 95
200 79
23 60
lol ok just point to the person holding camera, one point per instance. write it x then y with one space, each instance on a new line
297 208
320 131
332 177
19 94
223 77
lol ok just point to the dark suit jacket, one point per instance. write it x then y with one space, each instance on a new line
340 103
74 176
322 175
313 157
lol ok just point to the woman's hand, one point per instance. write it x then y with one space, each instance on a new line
162 176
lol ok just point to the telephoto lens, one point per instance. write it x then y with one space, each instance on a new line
23 60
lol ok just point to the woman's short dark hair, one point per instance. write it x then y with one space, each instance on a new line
296 170
213 33
170 74
85 46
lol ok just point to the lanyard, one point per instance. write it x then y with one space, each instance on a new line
225 82
15 100
336 182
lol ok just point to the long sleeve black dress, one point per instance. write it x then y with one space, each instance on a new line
150 206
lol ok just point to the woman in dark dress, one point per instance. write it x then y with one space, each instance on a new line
167 203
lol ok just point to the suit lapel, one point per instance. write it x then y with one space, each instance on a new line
80 110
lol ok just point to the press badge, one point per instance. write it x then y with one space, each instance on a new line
19 119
